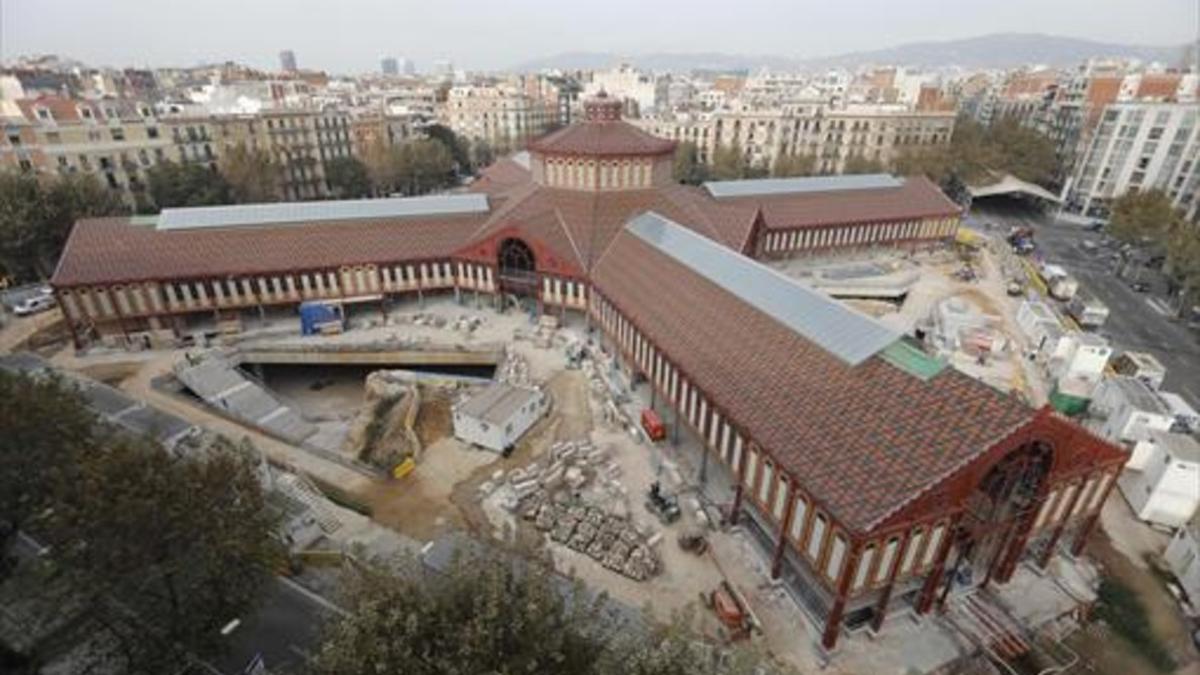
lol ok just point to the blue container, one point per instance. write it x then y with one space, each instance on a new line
314 315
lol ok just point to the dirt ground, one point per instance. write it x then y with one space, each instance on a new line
1105 652
416 505
433 419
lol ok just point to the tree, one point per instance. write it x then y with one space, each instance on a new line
460 151
1183 263
788 166
482 616
348 177
856 164
425 165
380 162
499 614
688 168
36 217
1023 152
174 185
729 163
482 154
1142 214
46 427
252 175
181 545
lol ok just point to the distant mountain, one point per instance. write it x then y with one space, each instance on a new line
1000 50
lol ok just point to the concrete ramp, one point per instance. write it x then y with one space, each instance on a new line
228 389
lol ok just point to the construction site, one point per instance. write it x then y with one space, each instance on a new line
809 408
359 420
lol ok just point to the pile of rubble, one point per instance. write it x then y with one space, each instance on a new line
428 319
514 369
609 539
573 494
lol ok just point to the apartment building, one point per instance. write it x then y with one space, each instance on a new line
832 135
299 141
117 141
1139 146
503 116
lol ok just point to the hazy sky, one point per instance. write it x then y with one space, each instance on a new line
351 35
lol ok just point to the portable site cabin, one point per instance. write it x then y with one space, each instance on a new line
1131 408
1161 481
498 416
1142 365
1183 557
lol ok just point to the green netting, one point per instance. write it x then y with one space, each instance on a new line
912 360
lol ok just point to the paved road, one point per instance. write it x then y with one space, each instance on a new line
285 630
1137 321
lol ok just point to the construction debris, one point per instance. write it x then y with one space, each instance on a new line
572 495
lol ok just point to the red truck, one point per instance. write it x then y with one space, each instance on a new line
653 425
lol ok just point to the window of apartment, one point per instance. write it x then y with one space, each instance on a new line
151 132
118 134
84 162
26 165
1156 133
85 112
14 138
53 137
63 162
43 114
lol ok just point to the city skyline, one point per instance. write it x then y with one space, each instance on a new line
530 30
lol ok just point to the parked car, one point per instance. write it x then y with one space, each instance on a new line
1140 287
38 303
1094 226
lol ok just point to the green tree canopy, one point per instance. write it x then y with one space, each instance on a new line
482 154
1142 214
459 147
184 544
489 614
856 164
977 153
173 185
348 177
37 214
790 166
412 168
159 550
45 428
688 168
252 175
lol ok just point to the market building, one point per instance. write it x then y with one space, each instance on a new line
878 479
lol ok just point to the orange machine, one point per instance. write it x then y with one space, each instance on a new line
653 425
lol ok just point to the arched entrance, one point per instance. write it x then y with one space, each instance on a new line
518 268
1001 507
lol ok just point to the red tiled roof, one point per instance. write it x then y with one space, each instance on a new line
579 225
862 440
108 250
501 175
917 198
603 139
63 110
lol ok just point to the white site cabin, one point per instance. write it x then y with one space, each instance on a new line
1183 557
498 416
1161 481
